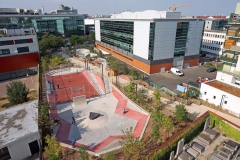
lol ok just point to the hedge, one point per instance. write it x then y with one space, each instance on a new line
190 132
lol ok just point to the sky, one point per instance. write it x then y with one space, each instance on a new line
103 7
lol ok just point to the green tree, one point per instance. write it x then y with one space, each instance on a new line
44 63
124 69
132 146
44 120
17 92
91 36
53 148
130 88
83 153
155 132
50 41
193 93
110 156
74 39
134 74
167 123
157 98
181 113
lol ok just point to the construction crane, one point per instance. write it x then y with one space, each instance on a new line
174 8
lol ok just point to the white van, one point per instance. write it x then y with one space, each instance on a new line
177 71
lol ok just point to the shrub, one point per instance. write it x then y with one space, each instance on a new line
53 148
17 92
181 113
155 132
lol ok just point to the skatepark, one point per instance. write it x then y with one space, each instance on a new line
91 112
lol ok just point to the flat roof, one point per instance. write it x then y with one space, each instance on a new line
18 122
153 19
224 87
215 31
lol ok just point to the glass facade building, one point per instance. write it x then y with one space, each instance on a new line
57 24
181 38
151 41
118 34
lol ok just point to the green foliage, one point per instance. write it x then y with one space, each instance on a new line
110 156
155 132
188 135
56 60
193 93
123 69
113 63
224 127
130 88
75 39
208 64
44 121
181 112
50 41
91 36
53 148
44 63
83 153
17 92
100 54
157 98
132 146
134 74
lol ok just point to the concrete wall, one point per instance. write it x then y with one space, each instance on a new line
208 25
165 34
33 47
194 37
97 30
19 149
141 38
232 101
226 78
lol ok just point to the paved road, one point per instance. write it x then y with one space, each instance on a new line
170 80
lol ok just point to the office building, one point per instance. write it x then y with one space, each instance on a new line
65 10
151 41
213 42
19 53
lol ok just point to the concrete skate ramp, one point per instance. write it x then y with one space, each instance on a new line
79 102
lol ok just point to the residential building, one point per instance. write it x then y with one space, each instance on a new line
215 23
19 135
151 41
213 42
19 52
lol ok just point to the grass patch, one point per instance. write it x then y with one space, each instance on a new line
225 128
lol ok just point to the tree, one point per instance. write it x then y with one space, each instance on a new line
53 148
167 123
155 132
91 36
83 153
17 92
157 98
50 41
132 146
74 39
130 88
110 156
44 120
134 74
181 113
192 93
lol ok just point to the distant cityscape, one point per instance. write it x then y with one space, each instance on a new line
131 85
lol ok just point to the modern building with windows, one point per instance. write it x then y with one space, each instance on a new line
213 42
56 24
19 53
151 41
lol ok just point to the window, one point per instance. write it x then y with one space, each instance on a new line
4 154
22 41
205 93
225 102
23 49
4 51
9 42
214 97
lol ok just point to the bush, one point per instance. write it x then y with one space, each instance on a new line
134 74
53 148
193 93
155 132
17 92
110 156
181 113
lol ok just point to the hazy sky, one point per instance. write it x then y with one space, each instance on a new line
92 7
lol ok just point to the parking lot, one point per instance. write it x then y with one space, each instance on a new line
170 80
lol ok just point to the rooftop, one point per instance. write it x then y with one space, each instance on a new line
18 122
215 31
224 87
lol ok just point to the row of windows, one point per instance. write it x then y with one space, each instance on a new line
211 41
18 41
211 48
19 50
214 35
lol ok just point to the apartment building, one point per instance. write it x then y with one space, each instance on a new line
151 41
19 53
213 42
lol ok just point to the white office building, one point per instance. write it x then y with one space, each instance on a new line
213 42
19 135
151 41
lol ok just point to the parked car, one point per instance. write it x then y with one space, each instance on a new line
177 71
211 69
